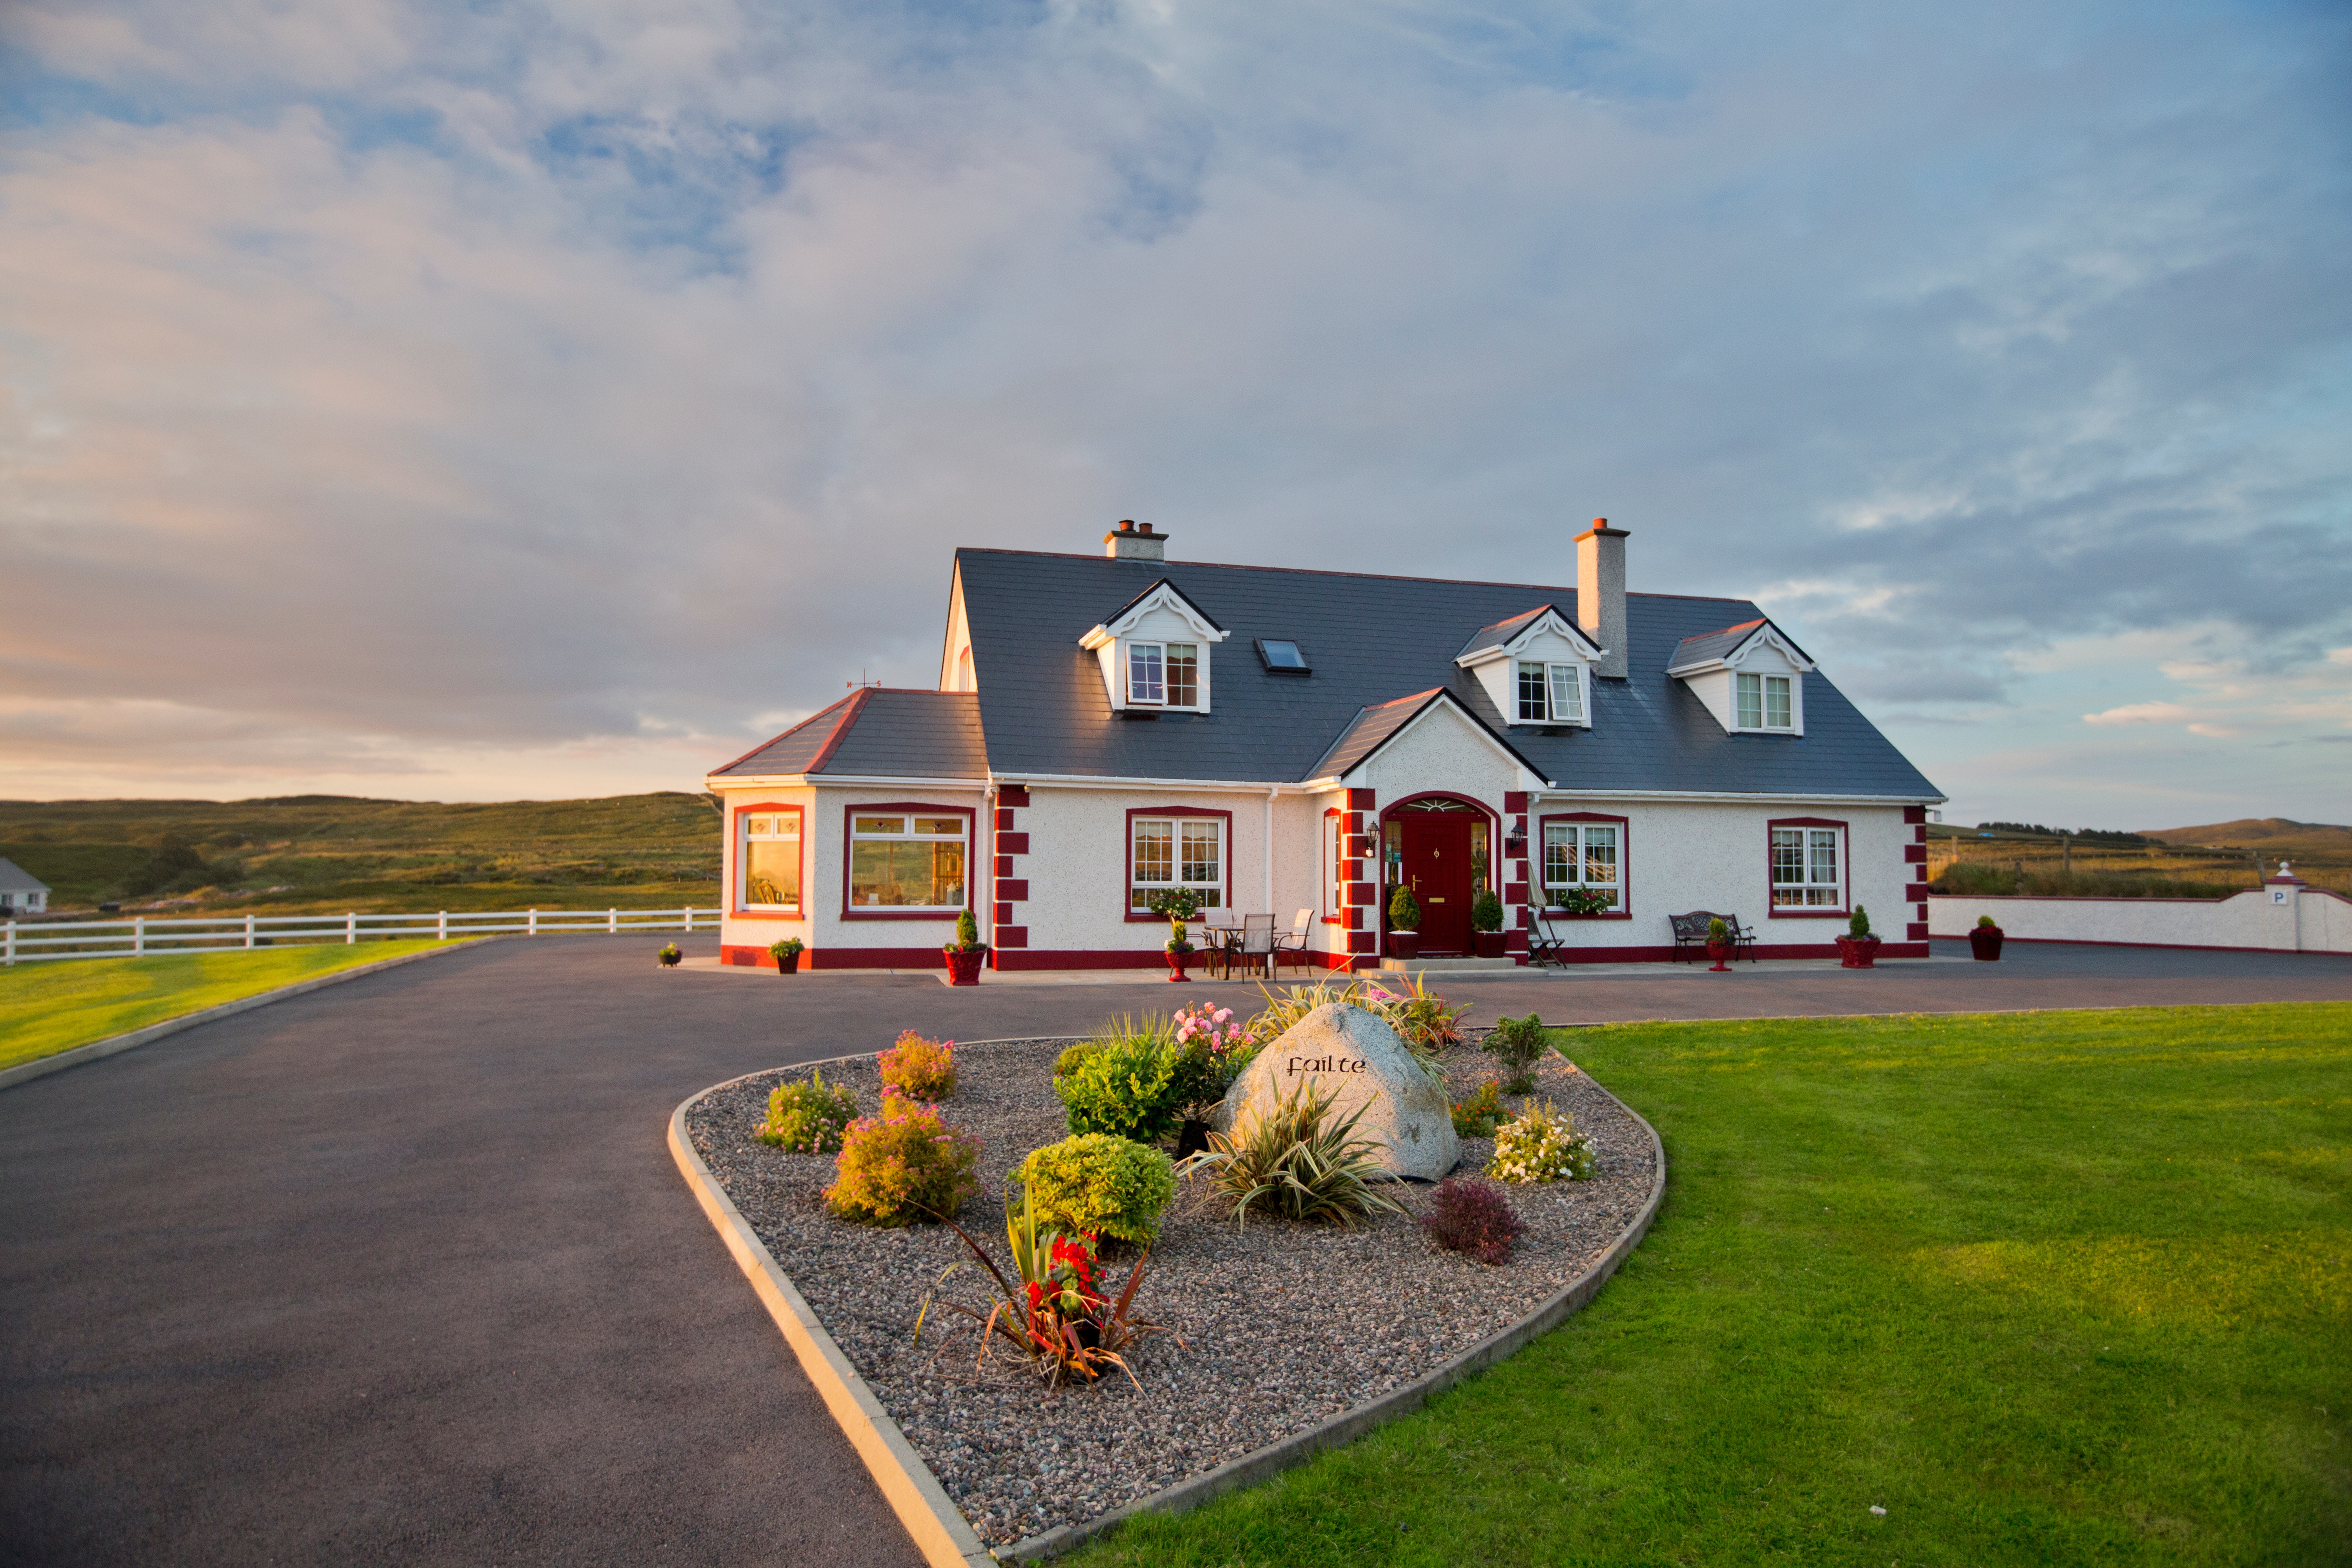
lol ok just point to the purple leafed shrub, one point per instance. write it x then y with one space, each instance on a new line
1473 1216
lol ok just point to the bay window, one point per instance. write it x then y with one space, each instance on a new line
1583 856
908 860
1808 862
1170 852
768 860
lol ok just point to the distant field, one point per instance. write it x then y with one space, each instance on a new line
309 853
46 1008
2181 864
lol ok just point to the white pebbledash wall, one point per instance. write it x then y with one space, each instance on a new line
2278 917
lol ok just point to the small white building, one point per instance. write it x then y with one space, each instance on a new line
21 892
1107 726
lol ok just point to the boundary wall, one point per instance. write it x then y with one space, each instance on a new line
2283 915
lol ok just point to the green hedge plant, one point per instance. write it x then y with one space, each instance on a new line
1098 1185
904 1165
1127 1086
1517 1044
808 1118
1486 911
1405 911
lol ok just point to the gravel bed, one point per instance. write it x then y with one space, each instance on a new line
1281 1325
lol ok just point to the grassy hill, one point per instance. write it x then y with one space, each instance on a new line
2272 834
299 853
2210 862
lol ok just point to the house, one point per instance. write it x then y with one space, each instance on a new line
1105 726
21 892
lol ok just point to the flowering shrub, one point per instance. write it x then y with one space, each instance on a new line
920 1068
1473 1216
905 1165
808 1118
1059 1315
1541 1145
1095 1184
1476 1116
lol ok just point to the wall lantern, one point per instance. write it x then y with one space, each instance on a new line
1515 844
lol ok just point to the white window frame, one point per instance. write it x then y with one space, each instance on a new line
1159 647
1557 673
745 838
1212 887
1582 835
961 839
1810 894
1764 684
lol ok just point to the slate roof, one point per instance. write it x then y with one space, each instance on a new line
15 878
1709 646
1373 641
1381 646
1502 632
1375 726
879 732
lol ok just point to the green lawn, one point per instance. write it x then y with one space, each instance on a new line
50 1007
2066 1287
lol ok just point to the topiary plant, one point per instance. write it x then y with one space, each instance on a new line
920 1068
808 1118
1097 1184
967 936
1473 1216
1405 911
1984 922
1859 926
1486 911
1717 931
903 1165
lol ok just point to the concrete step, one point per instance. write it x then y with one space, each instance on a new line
1442 966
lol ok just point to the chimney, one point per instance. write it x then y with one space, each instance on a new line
1132 540
1601 594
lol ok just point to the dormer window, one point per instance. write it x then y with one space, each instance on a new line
1163 675
1764 702
1550 693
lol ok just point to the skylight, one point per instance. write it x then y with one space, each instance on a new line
1282 656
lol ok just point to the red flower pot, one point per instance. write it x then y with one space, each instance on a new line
1857 952
1985 942
1177 960
1405 945
1487 944
963 965
1718 951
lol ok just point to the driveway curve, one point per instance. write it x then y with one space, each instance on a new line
402 1270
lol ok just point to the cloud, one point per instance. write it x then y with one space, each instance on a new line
2142 713
459 382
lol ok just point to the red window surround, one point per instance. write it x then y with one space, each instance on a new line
1845 870
910 807
735 863
1126 857
1624 910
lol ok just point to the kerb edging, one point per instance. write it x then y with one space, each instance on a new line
41 1066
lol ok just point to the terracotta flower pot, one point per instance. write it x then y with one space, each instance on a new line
1718 951
963 965
1857 952
1487 944
1405 944
1985 942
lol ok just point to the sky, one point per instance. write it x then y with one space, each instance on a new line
497 400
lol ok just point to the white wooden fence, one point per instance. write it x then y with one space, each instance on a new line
37 941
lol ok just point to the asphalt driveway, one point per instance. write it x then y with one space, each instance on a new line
402 1270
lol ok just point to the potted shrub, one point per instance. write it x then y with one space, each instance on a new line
1404 925
1486 924
787 954
1176 906
669 956
965 953
1858 949
1985 939
1718 945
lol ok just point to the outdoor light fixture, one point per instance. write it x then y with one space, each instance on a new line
1515 844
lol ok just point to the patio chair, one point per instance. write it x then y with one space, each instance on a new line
1258 941
1291 944
1220 928
1545 945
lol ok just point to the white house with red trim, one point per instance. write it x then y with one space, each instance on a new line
1105 726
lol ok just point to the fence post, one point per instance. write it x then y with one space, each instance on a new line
137 935
443 933
12 943
689 917
612 922
350 927
534 923
248 931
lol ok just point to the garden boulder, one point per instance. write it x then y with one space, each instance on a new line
1354 1057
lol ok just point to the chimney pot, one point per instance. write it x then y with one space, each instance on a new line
1133 541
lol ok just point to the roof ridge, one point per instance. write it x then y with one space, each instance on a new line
1326 572
787 730
855 706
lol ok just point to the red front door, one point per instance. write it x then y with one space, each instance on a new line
1438 869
